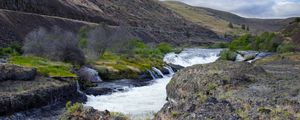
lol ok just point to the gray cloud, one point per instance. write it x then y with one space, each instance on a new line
253 8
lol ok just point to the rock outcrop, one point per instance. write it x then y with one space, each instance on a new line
13 72
89 113
89 74
37 91
229 90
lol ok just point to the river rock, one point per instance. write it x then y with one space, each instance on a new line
248 57
231 90
13 72
176 67
89 113
89 74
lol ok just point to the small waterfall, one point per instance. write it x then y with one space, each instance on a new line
158 71
152 74
171 71
78 87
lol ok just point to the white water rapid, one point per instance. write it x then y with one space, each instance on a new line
143 102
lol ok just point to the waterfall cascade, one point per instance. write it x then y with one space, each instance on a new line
142 102
158 72
153 75
171 71
78 87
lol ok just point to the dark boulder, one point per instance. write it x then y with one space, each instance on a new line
89 74
176 67
13 72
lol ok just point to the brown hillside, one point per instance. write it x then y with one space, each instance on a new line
150 20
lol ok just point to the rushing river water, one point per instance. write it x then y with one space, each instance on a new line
142 102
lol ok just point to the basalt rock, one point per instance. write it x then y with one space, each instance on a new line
232 90
18 96
13 72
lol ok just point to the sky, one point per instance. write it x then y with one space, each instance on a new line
253 8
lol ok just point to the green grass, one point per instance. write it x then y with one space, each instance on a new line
44 66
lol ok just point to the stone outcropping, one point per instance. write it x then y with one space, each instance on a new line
13 72
37 91
229 90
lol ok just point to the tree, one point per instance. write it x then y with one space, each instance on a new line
104 37
230 25
55 44
244 27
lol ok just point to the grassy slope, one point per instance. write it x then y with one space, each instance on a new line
204 18
115 66
44 66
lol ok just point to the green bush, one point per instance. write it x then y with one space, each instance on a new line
263 42
71 108
228 55
11 50
241 43
164 48
286 47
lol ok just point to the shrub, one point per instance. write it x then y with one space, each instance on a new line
12 50
286 47
241 43
72 108
174 114
164 48
230 25
228 55
297 19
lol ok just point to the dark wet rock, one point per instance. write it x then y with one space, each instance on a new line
3 60
234 90
164 71
176 67
115 86
13 72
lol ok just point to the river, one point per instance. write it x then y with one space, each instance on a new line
143 102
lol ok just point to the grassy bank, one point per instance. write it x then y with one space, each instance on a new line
44 66
133 62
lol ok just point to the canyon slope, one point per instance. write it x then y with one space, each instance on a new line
149 20
219 21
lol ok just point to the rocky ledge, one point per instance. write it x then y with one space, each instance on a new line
22 89
268 89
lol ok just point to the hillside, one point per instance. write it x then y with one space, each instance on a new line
150 20
219 21
291 33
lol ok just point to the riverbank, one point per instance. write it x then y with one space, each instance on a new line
266 89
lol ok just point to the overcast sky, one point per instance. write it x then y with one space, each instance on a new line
253 8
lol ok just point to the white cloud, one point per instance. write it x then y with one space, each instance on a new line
253 8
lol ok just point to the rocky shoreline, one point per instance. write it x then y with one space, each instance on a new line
267 89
